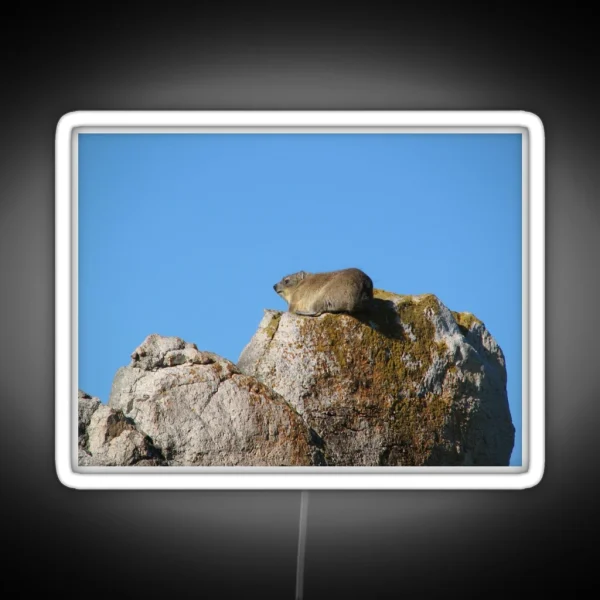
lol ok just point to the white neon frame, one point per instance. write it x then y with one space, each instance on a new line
332 478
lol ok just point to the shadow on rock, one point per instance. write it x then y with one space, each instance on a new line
382 316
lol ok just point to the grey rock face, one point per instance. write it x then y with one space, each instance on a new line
109 438
408 383
200 410
86 408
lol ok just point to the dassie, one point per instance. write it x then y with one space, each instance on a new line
312 294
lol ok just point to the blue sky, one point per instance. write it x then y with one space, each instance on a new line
185 234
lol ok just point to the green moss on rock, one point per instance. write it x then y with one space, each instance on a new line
386 370
465 321
273 326
384 295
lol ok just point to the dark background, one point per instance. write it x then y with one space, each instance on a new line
243 544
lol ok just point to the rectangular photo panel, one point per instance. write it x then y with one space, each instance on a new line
300 300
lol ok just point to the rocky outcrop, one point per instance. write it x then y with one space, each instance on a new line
202 411
108 438
410 383
407 383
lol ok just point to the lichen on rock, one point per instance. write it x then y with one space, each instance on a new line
399 385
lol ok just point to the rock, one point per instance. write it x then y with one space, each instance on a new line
108 438
200 410
86 407
408 383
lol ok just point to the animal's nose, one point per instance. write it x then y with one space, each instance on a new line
275 287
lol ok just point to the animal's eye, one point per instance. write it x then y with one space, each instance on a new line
286 281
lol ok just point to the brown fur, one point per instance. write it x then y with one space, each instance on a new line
312 294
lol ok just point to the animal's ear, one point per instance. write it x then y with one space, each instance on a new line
301 275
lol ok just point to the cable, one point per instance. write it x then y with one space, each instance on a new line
301 546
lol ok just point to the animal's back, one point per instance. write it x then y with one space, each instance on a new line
346 290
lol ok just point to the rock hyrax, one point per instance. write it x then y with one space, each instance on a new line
312 294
